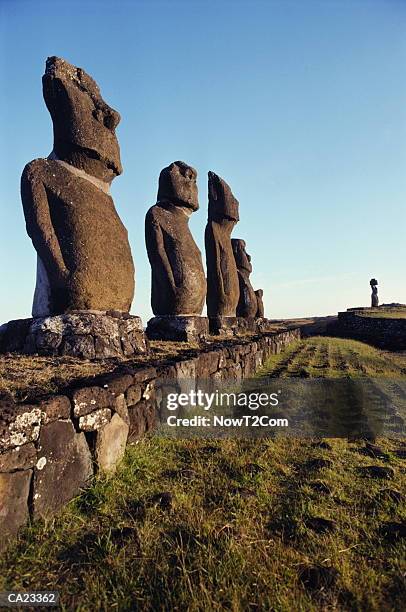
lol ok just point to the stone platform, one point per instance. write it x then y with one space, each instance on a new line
382 326
234 326
182 328
85 334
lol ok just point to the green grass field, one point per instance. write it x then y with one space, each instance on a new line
384 314
334 358
275 524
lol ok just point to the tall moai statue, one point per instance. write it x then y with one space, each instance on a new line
374 295
85 271
178 278
260 304
247 304
223 288
84 257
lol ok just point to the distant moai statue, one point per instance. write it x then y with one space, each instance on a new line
84 257
223 288
260 304
247 304
374 295
178 278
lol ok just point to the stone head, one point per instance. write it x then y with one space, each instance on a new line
84 125
373 282
242 259
177 184
259 293
222 203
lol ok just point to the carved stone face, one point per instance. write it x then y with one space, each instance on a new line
259 293
177 184
84 125
242 259
222 203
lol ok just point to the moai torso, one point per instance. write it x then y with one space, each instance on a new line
260 304
223 288
178 279
247 304
84 257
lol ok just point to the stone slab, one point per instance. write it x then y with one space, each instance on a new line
18 458
63 467
178 328
110 446
14 492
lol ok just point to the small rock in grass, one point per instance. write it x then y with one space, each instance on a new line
135 509
321 444
318 463
126 536
163 500
376 471
183 473
390 495
320 487
393 531
372 450
315 577
319 524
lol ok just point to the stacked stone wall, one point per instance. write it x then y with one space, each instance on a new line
50 450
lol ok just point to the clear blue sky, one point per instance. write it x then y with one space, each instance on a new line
300 106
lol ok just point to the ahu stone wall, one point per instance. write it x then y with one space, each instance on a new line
383 332
49 451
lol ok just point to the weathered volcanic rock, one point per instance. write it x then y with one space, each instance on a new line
110 444
232 326
85 334
260 304
178 328
247 304
178 279
18 458
64 466
222 279
84 257
14 491
19 425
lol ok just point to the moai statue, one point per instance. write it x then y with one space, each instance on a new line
178 279
374 295
247 304
84 257
223 288
260 304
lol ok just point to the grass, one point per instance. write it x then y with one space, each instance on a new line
234 525
384 314
334 358
274 524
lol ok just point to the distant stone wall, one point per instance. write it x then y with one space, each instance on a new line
383 332
50 450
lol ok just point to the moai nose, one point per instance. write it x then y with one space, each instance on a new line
111 118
